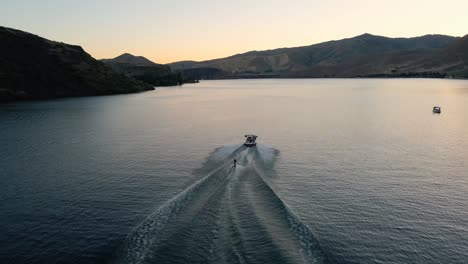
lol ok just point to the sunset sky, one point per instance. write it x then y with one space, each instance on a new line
173 30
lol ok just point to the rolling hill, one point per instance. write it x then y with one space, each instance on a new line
362 56
128 58
142 69
32 67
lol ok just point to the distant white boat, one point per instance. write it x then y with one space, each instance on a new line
436 109
250 140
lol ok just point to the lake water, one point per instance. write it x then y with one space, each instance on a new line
345 171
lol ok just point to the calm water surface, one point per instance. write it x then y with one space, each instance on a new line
346 171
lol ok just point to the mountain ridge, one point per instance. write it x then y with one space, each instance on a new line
131 59
382 55
145 70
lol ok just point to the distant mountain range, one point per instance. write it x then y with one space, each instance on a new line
144 70
32 67
362 56
128 58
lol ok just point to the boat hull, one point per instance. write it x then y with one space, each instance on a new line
250 144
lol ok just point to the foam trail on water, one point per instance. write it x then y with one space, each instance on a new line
229 215
147 234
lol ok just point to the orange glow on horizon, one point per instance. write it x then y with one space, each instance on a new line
164 31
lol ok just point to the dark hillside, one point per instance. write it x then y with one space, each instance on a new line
142 69
32 67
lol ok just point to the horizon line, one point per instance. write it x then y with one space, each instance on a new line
287 47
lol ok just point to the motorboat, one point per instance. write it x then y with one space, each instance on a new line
250 140
436 110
